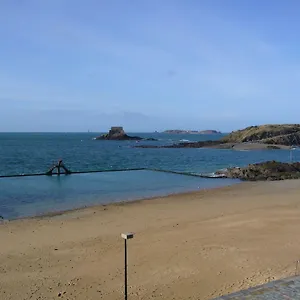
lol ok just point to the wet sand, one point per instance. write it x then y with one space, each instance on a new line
190 246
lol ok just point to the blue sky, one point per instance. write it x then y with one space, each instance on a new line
70 65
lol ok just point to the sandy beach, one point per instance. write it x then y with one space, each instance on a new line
190 246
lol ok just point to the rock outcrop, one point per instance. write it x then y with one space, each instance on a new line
118 134
285 134
201 144
220 145
270 170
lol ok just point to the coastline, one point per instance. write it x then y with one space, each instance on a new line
105 206
196 245
80 191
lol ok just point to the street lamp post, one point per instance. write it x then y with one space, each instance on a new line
126 236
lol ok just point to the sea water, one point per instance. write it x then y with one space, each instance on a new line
22 153
36 195
27 153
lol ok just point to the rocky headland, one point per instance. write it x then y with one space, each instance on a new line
284 134
268 137
269 170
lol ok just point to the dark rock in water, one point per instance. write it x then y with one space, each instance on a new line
200 144
118 134
221 145
270 170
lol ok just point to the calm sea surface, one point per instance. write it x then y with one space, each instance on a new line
23 153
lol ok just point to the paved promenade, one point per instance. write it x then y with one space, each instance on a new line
288 288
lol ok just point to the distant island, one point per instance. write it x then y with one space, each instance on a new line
180 131
269 137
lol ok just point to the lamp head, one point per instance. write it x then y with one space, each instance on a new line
127 235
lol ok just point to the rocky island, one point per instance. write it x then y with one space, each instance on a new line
270 170
251 138
118 134
180 131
